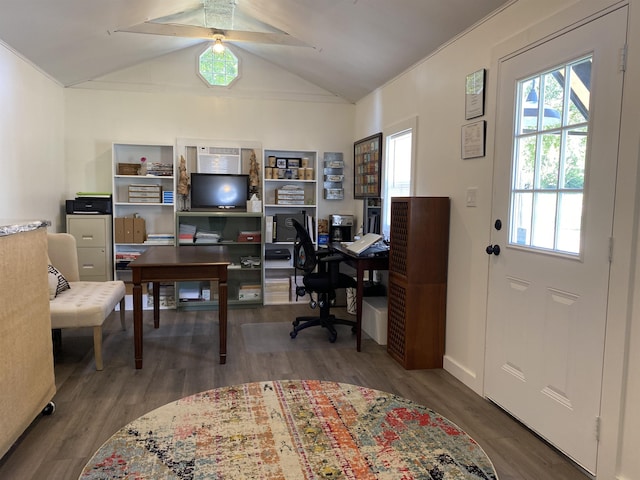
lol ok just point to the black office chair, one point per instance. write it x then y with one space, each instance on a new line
322 282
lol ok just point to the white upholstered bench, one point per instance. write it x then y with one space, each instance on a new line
84 304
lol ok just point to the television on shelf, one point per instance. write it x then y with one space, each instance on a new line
219 192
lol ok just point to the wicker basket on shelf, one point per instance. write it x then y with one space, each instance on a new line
128 168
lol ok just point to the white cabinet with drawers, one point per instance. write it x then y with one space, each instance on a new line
94 241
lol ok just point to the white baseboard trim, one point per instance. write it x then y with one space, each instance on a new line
466 376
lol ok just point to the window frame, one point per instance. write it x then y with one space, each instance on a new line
203 78
409 124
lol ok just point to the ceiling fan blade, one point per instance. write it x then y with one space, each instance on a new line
263 37
191 31
172 30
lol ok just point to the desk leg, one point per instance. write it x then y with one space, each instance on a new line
222 320
137 324
156 305
359 295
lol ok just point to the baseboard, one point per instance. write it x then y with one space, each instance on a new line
466 376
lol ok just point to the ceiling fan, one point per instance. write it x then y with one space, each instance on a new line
217 20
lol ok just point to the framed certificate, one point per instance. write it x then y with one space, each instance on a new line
473 136
474 94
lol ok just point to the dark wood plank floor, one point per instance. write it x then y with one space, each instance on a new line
181 358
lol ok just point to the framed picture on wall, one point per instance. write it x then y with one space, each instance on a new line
367 156
474 94
473 139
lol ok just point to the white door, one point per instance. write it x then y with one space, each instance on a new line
555 166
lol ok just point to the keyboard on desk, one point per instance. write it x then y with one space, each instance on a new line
376 250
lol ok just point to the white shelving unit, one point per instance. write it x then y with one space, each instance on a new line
280 171
158 216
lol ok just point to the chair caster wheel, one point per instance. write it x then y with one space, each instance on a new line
353 329
293 334
333 337
49 409
313 304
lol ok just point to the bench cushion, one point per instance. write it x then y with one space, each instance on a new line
85 304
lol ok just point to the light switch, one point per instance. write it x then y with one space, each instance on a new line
472 196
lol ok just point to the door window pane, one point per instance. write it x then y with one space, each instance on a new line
544 219
569 215
549 158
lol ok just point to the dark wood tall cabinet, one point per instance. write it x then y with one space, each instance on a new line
418 261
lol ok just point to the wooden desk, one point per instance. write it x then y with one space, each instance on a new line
360 264
173 264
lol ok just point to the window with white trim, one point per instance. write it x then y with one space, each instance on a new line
399 146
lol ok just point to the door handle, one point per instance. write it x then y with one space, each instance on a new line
495 249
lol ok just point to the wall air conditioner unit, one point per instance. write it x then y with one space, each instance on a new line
219 160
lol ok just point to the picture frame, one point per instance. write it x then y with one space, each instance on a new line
281 162
473 140
474 94
367 159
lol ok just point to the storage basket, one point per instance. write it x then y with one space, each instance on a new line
128 168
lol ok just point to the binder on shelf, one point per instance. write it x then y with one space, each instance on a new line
311 229
268 229
285 231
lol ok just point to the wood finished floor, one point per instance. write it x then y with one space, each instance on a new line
181 358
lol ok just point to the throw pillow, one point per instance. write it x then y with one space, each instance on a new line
57 282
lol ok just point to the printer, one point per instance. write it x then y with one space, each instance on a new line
87 205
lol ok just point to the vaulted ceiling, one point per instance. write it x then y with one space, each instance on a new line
347 47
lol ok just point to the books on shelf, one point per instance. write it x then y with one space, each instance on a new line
186 234
206 237
159 169
290 195
160 239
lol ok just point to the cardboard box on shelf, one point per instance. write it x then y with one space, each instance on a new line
145 194
139 230
118 234
129 230
250 236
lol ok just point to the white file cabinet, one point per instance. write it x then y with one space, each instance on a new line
94 240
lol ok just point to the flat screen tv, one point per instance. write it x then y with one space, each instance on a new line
214 191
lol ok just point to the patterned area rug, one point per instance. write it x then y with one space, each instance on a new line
294 430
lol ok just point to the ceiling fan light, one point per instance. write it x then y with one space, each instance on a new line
218 46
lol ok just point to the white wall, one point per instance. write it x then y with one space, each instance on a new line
163 100
31 142
433 90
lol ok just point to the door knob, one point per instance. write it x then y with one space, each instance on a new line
495 249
